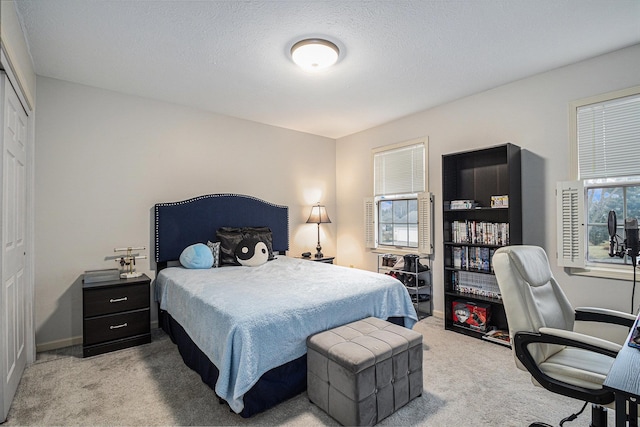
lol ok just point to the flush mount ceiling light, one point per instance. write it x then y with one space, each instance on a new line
314 54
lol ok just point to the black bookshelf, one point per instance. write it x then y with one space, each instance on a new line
472 233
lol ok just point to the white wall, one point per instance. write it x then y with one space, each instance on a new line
531 113
104 159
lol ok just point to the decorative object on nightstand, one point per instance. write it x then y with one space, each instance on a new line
93 276
128 261
116 314
318 216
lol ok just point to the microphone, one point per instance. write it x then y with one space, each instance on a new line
631 232
612 225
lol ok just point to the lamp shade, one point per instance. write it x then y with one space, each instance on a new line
318 215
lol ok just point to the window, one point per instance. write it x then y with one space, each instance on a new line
624 200
606 161
398 222
399 214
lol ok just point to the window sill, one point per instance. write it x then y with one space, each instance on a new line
394 250
617 273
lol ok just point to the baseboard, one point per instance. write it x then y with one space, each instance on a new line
54 345
438 314
68 342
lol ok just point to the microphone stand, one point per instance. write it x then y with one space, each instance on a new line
629 247
633 289
631 241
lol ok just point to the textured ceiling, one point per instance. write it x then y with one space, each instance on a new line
397 57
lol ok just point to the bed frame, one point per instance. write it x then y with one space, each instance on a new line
180 224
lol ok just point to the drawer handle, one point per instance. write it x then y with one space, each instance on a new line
118 326
118 299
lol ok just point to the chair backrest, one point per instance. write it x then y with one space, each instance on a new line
532 298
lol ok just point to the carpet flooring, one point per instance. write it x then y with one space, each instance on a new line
467 382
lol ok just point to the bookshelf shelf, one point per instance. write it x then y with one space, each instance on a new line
477 245
480 180
466 295
476 209
469 270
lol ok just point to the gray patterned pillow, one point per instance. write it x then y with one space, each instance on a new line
229 237
215 250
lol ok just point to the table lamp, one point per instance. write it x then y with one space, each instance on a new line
318 216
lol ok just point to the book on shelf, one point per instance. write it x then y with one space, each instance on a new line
634 339
499 336
457 257
462 204
464 258
485 259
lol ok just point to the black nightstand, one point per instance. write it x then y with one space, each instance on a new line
116 315
326 259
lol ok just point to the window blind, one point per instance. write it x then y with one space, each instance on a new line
399 171
609 138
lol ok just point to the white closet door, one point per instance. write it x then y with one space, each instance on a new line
14 204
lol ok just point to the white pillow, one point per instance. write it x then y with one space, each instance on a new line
252 252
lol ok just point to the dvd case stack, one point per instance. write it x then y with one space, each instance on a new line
476 284
473 258
480 232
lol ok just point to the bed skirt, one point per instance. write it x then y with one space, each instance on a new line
274 387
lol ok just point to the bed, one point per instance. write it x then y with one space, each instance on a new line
244 329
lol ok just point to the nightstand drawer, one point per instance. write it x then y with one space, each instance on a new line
112 327
115 299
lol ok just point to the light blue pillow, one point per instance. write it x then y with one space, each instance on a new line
196 256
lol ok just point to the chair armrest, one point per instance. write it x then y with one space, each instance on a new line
522 340
604 315
587 340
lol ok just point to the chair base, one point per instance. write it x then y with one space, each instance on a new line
598 418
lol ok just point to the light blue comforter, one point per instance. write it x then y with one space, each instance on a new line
248 320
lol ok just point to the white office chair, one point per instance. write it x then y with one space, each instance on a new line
541 322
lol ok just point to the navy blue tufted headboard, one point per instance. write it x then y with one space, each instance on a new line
180 224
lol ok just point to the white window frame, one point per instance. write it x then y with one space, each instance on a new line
425 208
571 207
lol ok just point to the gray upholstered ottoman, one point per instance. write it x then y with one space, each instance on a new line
362 372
